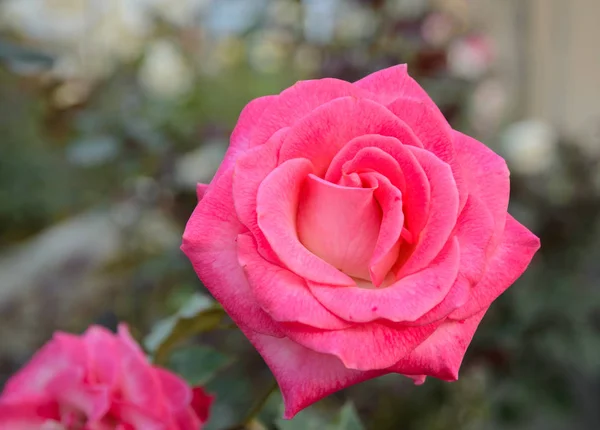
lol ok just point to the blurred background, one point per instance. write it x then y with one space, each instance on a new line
112 110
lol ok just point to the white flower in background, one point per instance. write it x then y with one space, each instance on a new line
438 28
530 146
355 22
470 57
269 50
406 8
88 35
164 72
488 105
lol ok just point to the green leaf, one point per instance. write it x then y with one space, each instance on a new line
314 418
349 419
197 364
199 314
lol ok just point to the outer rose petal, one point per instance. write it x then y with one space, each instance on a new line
249 172
176 393
393 83
26 416
277 205
304 376
201 403
406 300
456 297
240 137
280 292
442 353
508 263
209 242
138 383
368 346
298 101
103 356
474 230
63 352
487 178
321 134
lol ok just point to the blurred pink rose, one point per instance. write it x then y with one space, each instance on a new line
350 232
99 381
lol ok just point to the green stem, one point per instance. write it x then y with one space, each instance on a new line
260 404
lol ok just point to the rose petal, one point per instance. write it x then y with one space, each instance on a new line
339 224
27 415
406 300
304 376
457 296
393 83
373 159
102 352
277 205
249 172
209 241
176 393
281 293
321 134
298 101
63 352
240 137
201 189
443 212
432 129
487 178
368 346
508 263
442 353
386 250
416 197
474 230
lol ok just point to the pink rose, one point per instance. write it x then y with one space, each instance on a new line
99 381
350 233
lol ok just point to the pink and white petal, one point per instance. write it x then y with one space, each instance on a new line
63 352
416 197
512 257
249 172
298 101
103 356
408 299
282 294
304 376
320 135
133 417
392 83
487 178
368 346
339 224
435 133
443 213
277 206
209 241
442 353
240 137
474 230
373 159
74 394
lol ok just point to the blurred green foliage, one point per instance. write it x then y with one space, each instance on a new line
118 146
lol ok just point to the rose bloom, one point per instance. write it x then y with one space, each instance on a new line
99 381
350 232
